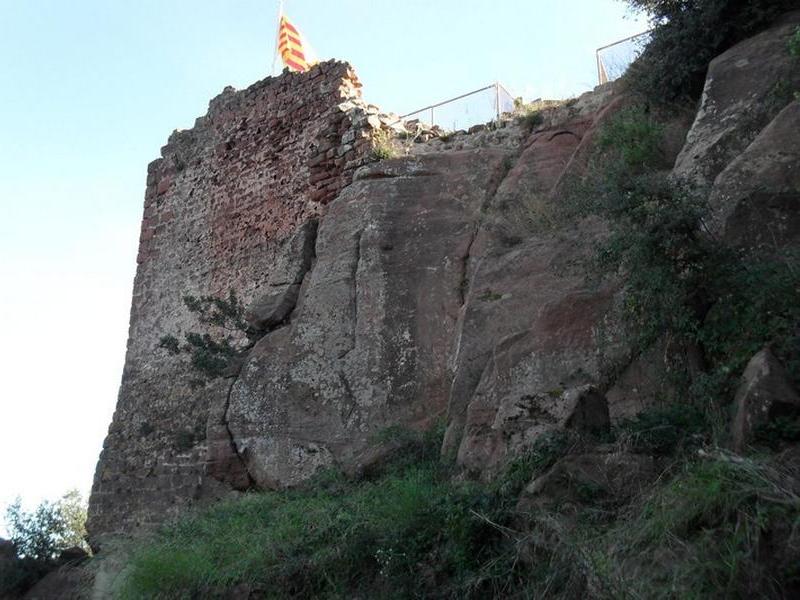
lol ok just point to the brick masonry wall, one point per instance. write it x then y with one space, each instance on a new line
218 204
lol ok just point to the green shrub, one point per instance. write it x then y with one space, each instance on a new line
52 527
39 536
542 455
687 35
635 136
382 145
209 356
530 120
681 284
723 528
664 429
409 534
794 44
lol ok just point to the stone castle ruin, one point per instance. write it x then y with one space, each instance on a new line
399 292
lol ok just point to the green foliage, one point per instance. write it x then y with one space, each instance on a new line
530 120
490 296
50 528
662 430
794 44
542 455
409 534
778 431
714 525
226 313
210 356
687 35
382 145
681 283
635 136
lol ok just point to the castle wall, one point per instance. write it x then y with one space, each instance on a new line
219 203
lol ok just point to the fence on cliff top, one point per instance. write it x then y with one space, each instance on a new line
490 102
462 112
614 59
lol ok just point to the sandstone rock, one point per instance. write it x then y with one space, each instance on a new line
526 334
72 555
588 479
367 346
220 223
588 410
741 96
64 583
275 302
756 199
649 379
223 462
7 549
764 394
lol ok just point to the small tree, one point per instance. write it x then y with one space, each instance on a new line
52 527
209 356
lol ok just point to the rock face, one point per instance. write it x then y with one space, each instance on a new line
221 206
765 394
756 199
588 478
402 292
745 89
367 345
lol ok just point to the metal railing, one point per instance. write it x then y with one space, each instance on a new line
502 101
628 50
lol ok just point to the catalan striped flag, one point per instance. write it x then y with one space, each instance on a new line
291 47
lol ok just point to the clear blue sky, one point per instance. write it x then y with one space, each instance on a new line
90 91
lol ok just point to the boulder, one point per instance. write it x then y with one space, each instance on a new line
73 554
588 479
527 341
223 463
526 334
64 583
764 394
650 378
755 201
7 550
745 88
368 343
276 300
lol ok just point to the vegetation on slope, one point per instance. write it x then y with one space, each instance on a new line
708 524
687 35
39 537
712 526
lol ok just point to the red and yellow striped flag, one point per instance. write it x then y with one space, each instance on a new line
290 47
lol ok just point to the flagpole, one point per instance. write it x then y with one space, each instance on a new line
277 33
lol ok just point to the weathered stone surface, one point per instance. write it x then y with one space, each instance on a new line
756 199
745 88
588 410
277 300
7 550
223 463
588 479
652 377
220 204
367 345
526 342
764 394
526 335
64 583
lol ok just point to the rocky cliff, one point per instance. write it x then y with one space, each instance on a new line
405 291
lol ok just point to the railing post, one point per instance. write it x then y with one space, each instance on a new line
497 99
